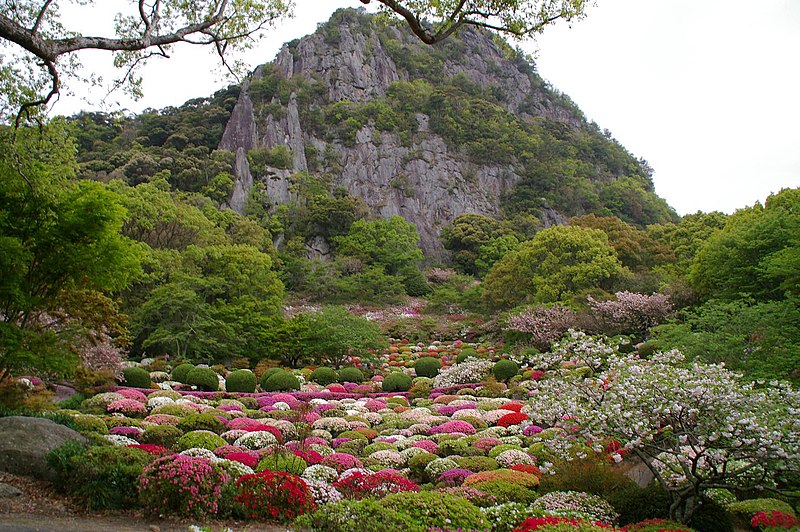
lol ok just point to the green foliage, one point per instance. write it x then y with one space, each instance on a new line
163 435
505 369
280 381
203 439
136 377
396 382
635 504
465 354
286 462
324 376
208 422
427 367
261 158
756 253
748 508
441 510
204 378
181 371
58 237
555 265
759 338
508 492
367 515
711 517
350 374
105 477
241 380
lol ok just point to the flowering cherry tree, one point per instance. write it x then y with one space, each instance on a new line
632 312
696 427
544 324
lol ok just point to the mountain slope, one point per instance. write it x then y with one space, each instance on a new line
427 132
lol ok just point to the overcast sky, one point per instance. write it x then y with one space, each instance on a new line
708 91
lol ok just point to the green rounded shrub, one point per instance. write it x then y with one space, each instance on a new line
89 423
396 382
203 421
478 463
427 367
136 377
748 508
350 374
163 435
324 376
505 369
367 515
286 462
465 354
242 381
419 462
437 510
203 439
180 372
508 492
204 378
270 372
280 381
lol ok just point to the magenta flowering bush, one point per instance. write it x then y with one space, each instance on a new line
129 407
454 477
453 427
342 462
132 393
183 484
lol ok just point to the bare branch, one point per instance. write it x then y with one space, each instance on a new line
40 17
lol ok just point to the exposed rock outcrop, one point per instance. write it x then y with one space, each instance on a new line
26 441
424 180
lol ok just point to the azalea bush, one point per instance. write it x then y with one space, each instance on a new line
274 495
186 485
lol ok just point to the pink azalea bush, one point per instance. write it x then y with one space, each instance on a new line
186 485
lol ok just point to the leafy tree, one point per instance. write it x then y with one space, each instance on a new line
464 236
754 253
554 265
59 238
45 49
695 428
762 339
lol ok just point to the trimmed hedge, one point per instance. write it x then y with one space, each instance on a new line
505 369
136 377
324 376
242 381
351 375
204 378
280 381
427 367
396 382
180 372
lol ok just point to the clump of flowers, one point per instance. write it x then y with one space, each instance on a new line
454 477
257 440
274 495
560 523
513 457
543 324
322 492
514 418
475 496
342 462
359 485
469 371
586 504
773 519
186 485
129 407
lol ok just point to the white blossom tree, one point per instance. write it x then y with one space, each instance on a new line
631 312
696 427
544 324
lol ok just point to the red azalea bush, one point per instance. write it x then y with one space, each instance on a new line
526 468
558 524
274 495
773 519
153 449
513 407
187 485
358 485
514 418
655 525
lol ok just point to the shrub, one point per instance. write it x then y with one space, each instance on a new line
186 485
465 354
427 367
204 378
505 369
396 382
358 485
274 495
635 504
560 524
575 501
325 376
366 515
419 462
283 462
207 422
750 507
507 492
350 374
104 477
589 475
136 377
773 519
181 371
436 509
507 516
656 525
164 435
711 517
202 439
478 463
86 423
242 381
279 381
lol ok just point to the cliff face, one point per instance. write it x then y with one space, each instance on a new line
411 171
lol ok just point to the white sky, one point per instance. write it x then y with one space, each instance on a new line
708 91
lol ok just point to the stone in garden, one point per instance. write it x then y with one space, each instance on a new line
7 490
26 441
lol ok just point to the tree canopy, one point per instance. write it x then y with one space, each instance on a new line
43 48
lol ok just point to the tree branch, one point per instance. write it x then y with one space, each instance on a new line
40 17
